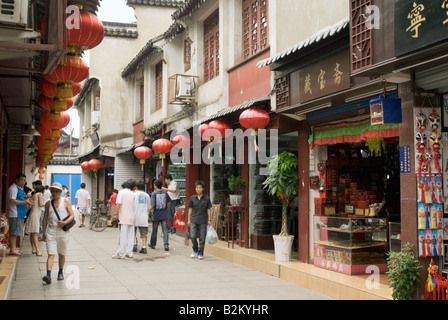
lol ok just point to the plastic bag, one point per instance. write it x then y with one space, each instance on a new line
212 236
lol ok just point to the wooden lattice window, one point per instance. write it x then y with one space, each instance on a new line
282 86
255 27
361 36
211 46
159 85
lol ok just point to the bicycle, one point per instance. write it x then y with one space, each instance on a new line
98 220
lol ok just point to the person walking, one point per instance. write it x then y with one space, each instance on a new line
16 212
160 206
33 221
142 206
56 238
199 209
124 214
82 203
174 193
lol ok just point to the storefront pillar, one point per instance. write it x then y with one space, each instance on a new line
303 193
408 183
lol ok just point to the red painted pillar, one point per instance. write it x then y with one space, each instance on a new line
303 155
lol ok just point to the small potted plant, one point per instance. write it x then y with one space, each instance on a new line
404 273
236 186
283 182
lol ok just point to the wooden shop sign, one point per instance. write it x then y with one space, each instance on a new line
327 76
419 23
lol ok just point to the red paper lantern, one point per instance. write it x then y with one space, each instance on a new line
181 141
85 166
162 146
46 132
143 153
254 119
223 128
41 177
72 69
59 90
95 164
55 122
87 35
204 133
55 104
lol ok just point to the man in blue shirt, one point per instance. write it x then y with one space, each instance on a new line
160 205
17 211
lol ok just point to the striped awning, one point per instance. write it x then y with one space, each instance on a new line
350 132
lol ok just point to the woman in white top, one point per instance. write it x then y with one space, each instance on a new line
56 238
33 221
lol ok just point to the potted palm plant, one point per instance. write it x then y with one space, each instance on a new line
283 182
236 185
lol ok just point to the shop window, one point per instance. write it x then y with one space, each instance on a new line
255 27
361 36
211 47
159 86
282 91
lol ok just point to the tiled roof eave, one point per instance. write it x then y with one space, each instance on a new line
323 34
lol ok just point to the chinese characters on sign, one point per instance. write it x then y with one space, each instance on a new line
419 24
405 159
325 77
416 18
445 6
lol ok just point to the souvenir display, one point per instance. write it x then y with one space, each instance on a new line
430 208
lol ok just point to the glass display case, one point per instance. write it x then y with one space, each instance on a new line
178 173
394 236
350 244
220 187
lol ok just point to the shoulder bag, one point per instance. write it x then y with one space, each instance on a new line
68 225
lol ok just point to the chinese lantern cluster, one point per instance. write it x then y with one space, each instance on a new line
92 165
60 86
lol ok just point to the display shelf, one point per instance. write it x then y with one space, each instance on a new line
178 173
350 244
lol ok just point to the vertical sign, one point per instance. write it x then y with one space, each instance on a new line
405 159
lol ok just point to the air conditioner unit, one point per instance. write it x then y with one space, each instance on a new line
182 89
14 12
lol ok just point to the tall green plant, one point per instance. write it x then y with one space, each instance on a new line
283 182
403 273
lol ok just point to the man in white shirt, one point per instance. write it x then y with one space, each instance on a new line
173 191
142 205
82 202
124 214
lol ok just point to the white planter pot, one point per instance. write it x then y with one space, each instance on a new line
283 246
236 199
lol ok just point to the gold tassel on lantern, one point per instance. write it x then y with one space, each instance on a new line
55 133
64 90
56 116
59 105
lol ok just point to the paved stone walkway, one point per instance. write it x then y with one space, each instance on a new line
91 273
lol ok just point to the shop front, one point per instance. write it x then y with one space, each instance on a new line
354 190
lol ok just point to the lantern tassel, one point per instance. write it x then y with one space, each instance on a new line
64 91
142 162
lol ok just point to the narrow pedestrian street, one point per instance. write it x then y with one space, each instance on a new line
158 275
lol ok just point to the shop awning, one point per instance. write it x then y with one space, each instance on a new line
350 132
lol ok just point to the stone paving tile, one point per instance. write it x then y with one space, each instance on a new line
158 275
